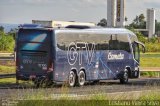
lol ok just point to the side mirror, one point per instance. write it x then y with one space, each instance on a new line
143 46
143 49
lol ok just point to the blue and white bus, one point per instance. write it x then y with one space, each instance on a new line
77 55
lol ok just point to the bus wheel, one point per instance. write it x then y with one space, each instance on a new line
81 78
124 78
37 83
43 83
72 79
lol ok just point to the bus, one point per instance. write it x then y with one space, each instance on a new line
77 56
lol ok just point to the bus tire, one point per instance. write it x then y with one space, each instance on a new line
37 83
124 77
81 78
43 83
72 79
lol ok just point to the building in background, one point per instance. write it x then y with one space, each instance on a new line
120 13
111 13
116 17
150 23
57 24
115 13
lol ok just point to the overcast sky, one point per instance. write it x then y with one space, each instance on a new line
23 11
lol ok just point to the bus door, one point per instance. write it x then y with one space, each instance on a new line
136 53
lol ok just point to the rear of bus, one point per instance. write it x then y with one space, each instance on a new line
33 49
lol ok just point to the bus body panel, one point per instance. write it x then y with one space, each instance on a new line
101 68
89 50
102 65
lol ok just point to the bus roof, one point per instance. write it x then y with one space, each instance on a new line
97 30
107 31
74 30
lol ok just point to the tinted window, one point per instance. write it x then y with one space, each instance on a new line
119 42
124 43
136 51
113 42
31 35
34 40
99 41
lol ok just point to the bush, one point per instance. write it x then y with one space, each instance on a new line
153 40
152 47
6 42
150 74
141 37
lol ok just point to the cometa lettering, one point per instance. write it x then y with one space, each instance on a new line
119 56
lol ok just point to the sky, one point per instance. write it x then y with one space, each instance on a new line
24 11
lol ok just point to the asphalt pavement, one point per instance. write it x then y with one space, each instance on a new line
109 86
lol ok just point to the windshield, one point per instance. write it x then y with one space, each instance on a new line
32 35
33 39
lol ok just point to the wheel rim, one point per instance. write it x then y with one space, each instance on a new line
81 78
71 79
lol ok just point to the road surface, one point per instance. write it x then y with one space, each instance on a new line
110 86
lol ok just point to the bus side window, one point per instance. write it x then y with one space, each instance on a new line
113 43
124 43
136 51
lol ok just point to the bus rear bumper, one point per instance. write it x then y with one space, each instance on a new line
26 76
29 76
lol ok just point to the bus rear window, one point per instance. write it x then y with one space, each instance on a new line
32 35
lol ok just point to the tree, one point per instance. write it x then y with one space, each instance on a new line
103 23
141 18
139 22
12 32
2 28
136 20
6 41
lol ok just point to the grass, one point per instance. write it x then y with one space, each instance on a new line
7 69
11 82
152 95
40 99
150 60
8 81
150 74
150 55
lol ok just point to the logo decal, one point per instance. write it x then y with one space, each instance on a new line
75 50
119 56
